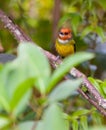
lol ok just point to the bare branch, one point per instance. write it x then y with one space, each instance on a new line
13 28
95 98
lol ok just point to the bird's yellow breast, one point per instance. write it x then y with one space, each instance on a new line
65 49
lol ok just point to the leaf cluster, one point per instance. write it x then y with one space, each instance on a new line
31 68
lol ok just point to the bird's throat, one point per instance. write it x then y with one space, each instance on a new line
63 41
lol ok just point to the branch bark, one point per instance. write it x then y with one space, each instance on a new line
94 97
18 34
56 17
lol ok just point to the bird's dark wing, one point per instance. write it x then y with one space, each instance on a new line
74 48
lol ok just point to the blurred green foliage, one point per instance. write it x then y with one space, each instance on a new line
16 90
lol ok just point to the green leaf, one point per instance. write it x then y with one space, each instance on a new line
28 124
102 3
89 4
66 65
103 86
98 128
38 64
12 75
21 93
97 118
53 119
75 20
17 75
75 125
83 123
78 113
100 32
40 125
4 121
64 89
96 84
4 103
87 30
1 67
64 19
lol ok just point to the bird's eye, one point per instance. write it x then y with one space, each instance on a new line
66 33
61 33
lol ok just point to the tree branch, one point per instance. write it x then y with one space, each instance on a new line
13 28
94 97
56 17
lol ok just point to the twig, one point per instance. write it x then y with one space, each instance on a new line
95 99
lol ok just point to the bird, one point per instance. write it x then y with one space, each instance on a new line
65 44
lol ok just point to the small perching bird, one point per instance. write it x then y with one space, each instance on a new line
65 45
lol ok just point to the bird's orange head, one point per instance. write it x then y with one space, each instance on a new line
65 34
65 45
